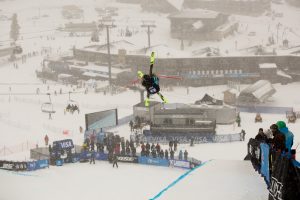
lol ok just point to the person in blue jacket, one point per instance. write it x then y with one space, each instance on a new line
289 136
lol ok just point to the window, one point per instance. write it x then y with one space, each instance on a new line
190 121
168 121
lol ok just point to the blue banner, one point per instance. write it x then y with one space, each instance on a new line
264 169
153 161
59 162
40 164
31 166
101 156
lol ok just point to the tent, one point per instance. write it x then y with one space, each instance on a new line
207 99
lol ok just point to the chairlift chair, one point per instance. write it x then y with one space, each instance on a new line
47 107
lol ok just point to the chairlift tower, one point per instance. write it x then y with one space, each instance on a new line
108 24
148 24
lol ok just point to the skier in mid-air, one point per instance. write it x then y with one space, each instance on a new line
151 82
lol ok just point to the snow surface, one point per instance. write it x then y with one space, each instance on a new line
23 125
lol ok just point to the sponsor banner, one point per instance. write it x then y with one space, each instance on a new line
20 166
128 159
210 138
59 162
15 166
101 156
63 144
31 166
153 161
40 164
264 168
180 164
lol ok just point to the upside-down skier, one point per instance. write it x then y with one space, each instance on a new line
151 82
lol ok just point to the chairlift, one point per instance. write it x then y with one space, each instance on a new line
47 107
71 104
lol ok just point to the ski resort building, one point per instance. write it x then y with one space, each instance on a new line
259 92
241 7
199 24
183 118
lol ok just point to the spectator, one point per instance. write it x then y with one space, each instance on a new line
46 140
289 136
93 155
175 145
172 155
185 155
133 151
261 135
278 141
157 148
115 161
192 142
161 154
243 133
153 153
166 154
50 149
170 145
131 125
148 146
127 151
180 155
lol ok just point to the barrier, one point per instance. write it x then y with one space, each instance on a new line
196 139
284 178
153 161
128 159
180 164
264 109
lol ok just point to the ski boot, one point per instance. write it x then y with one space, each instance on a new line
147 102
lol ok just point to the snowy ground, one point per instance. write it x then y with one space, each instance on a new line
23 125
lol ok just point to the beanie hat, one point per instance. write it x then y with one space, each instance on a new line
281 124
274 126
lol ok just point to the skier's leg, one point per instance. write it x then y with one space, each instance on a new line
147 99
162 97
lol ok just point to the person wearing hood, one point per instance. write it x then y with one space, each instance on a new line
289 136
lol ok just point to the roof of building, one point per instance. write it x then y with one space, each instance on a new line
114 46
195 14
176 3
261 90
267 65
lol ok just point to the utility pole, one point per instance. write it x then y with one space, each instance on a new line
148 24
108 24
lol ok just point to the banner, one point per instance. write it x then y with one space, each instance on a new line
63 144
40 164
15 166
180 164
264 168
153 161
210 138
101 156
128 159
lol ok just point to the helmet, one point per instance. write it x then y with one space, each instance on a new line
281 124
140 74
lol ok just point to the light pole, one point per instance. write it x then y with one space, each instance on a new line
108 24
148 24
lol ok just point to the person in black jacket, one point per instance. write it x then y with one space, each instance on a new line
261 135
171 154
115 161
166 154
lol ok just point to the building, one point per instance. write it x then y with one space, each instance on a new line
146 113
241 7
164 6
199 24
257 93
182 119
80 27
230 96
208 100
